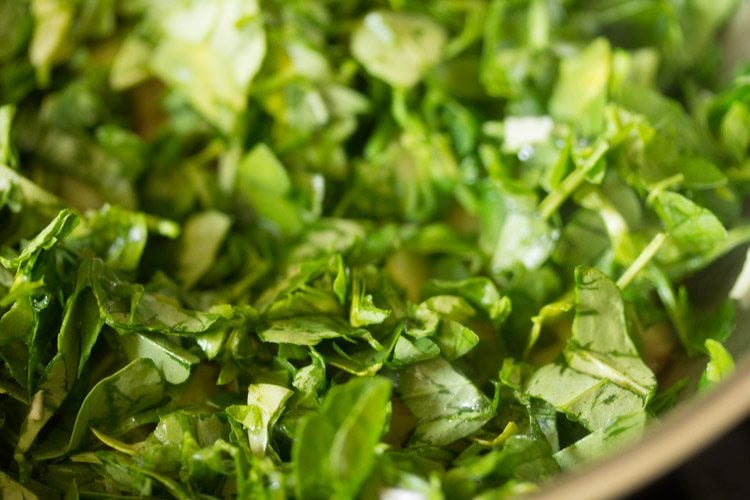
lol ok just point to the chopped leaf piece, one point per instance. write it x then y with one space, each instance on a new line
334 449
201 239
581 91
65 221
398 47
693 228
308 330
604 377
720 365
210 52
173 361
138 386
363 311
265 402
600 344
594 402
604 441
447 405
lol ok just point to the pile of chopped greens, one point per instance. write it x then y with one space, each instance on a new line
356 248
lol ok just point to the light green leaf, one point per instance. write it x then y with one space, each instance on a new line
694 229
7 112
594 402
513 233
210 51
308 330
262 181
363 311
581 91
447 405
202 237
522 457
13 490
398 47
409 351
600 345
735 129
604 377
455 339
720 365
604 441
478 291
265 403
174 361
53 20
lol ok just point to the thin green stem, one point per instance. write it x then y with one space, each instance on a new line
642 260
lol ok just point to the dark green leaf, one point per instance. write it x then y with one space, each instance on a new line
136 387
334 450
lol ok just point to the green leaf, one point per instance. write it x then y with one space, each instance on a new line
603 377
334 449
363 311
306 287
174 361
581 91
735 130
202 237
136 387
604 441
53 388
126 307
55 231
398 47
522 457
210 52
118 235
408 351
448 406
15 31
411 176
600 345
131 64
455 339
720 365
594 402
53 20
81 325
79 330
512 231
309 330
693 229
265 403
12 489
262 181
668 118
479 291
17 325
7 155
37 201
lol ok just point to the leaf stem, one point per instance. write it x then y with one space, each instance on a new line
557 197
642 260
